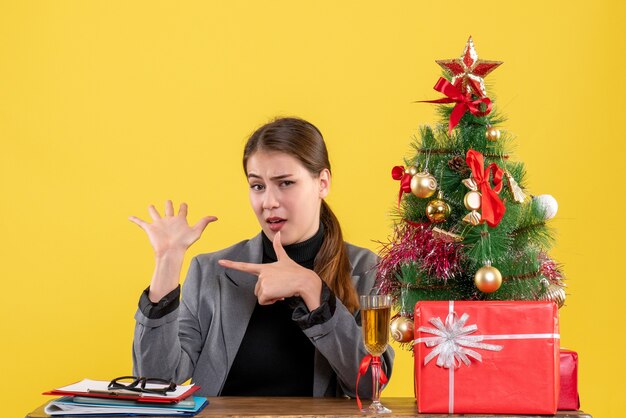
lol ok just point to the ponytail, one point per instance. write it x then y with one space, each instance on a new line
332 263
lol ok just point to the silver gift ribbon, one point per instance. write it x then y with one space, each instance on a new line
453 344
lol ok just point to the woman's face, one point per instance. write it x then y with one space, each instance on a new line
285 197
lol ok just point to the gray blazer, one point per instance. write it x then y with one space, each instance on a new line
199 340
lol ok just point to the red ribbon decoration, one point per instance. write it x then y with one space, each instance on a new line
492 208
463 102
365 364
398 173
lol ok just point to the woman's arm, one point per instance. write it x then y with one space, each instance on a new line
167 334
168 346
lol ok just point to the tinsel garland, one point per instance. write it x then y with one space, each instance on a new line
415 242
550 269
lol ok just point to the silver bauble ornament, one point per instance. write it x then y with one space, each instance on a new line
548 204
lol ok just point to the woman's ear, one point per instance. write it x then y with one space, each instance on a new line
324 182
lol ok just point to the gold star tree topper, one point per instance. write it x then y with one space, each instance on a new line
468 72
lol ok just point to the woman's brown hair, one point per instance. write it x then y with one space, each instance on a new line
303 141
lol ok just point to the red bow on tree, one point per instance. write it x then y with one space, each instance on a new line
492 208
365 364
463 102
398 173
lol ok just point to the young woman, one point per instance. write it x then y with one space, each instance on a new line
274 315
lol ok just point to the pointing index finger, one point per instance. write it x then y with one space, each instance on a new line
281 254
251 268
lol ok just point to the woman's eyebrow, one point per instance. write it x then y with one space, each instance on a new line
281 177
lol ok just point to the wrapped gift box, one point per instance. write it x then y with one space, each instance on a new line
568 396
486 357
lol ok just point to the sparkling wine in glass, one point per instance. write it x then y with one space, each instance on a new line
375 314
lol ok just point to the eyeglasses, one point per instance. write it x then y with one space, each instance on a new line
138 384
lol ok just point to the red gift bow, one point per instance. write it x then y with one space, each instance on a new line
398 173
365 364
463 102
492 208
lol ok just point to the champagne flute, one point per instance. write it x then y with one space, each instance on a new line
375 314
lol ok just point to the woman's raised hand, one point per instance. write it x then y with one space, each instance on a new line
170 237
171 233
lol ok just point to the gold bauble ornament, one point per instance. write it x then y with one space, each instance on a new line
437 209
492 134
423 184
402 329
488 279
412 170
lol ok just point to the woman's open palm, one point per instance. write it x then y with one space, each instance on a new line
171 232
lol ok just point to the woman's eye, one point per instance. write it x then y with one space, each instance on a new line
256 187
286 183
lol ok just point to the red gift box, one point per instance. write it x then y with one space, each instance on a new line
568 396
486 357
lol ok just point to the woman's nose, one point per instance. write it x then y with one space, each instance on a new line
270 200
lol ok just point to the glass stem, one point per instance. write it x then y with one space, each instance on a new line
376 379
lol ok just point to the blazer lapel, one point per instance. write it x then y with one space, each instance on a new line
237 298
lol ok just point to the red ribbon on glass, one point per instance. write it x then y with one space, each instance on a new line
365 364
463 102
398 173
492 208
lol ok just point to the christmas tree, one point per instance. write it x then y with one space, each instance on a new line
466 228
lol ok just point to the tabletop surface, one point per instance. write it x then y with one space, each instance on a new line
315 407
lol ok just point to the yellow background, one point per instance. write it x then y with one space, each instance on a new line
108 106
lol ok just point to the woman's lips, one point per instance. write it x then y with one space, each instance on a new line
275 224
